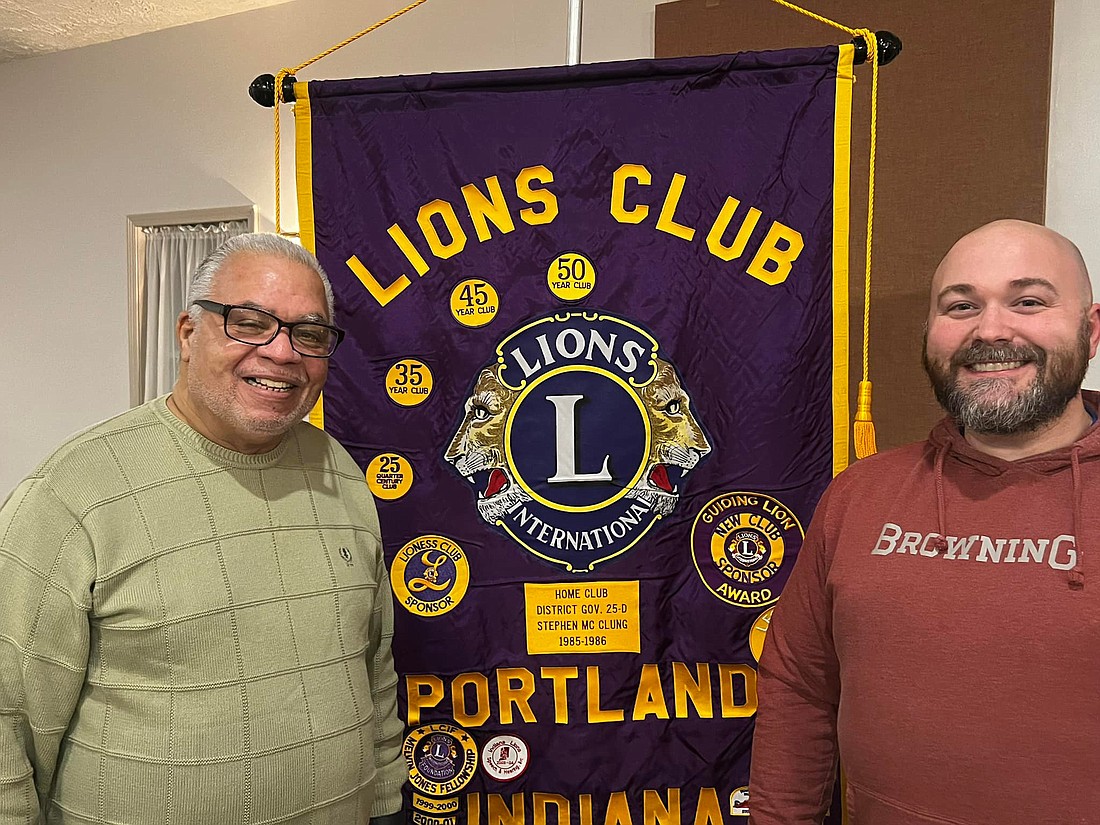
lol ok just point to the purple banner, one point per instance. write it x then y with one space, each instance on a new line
594 379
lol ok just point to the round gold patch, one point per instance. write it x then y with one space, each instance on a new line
474 302
389 476
571 277
442 759
409 382
430 575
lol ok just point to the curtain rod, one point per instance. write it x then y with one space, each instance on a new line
262 89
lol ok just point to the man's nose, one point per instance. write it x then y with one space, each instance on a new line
995 323
279 348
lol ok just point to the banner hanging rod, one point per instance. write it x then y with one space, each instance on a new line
576 8
262 89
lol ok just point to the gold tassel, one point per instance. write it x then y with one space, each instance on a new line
864 427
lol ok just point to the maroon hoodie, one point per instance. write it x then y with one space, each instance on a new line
942 627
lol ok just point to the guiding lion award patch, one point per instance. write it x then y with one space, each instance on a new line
738 543
578 438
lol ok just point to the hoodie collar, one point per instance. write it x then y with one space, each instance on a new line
947 436
947 440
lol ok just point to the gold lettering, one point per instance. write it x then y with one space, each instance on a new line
414 689
444 210
545 197
539 801
666 221
407 249
654 810
730 708
518 696
595 712
721 224
684 687
709 811
618 812
473 809
382 294
484 209
559 676
628 171
458 699
650 699
585 804
783 258
499 813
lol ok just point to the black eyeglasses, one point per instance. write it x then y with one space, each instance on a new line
256 327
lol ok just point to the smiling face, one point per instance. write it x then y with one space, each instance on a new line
241 396
1011 328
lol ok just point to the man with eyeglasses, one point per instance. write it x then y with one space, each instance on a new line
195 617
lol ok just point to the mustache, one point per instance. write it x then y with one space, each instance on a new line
978 352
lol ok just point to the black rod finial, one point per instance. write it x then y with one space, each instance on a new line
262 89
889 47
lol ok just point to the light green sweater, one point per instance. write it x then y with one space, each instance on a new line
192 636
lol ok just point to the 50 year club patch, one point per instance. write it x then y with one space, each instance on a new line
579 437
739 542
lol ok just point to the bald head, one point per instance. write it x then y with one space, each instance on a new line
1019 250
1011 329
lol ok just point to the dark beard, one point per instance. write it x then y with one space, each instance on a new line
982 407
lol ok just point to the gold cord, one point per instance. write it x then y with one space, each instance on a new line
864 427
284 73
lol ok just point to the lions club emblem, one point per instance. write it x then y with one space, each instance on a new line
578 438
429 575
441 759
739 542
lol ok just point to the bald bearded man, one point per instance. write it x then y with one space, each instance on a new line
940 633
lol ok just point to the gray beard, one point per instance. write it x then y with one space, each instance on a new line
226 408
983 407
1026 412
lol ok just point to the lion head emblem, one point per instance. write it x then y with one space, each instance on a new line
677 444
477 449
677 441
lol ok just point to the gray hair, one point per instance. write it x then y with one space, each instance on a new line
255 243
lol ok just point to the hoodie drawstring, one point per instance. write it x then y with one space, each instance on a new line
1077 574
941 503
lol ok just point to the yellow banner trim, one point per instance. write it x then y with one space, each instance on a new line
842 157
303 177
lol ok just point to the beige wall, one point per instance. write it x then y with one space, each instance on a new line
1073 160
162 122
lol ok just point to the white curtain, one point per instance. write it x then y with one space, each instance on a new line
172 254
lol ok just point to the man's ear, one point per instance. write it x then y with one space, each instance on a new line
185 328
1094 328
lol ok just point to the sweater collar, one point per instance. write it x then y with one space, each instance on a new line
216 452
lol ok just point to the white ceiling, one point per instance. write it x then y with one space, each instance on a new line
33 27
